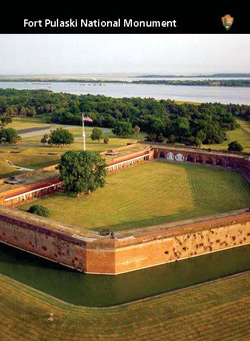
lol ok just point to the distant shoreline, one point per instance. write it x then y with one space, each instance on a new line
205 82
214 75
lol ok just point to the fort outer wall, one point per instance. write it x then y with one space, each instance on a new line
42 237
198 156
89 252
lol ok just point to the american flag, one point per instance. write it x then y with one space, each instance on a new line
86 118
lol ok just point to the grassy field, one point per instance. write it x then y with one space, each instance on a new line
242 135
187 102
19 123
32 154
152 193
25 157
214 311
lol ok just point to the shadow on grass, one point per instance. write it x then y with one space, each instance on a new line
134 224
8 174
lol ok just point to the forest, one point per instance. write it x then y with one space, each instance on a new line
205 123
214 75
145 80
203 82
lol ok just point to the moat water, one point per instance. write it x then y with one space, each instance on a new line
101 291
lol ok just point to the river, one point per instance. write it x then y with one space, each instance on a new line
226 95
100 291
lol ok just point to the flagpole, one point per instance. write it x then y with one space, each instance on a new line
83 133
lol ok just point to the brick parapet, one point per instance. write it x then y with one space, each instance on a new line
90 252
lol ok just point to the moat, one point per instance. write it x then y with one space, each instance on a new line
100 290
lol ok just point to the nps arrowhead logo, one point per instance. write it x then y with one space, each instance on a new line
227 21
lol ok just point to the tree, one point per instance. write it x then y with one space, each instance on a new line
209 122
96 134
45 139
171 139
193 141
106 140
5 120
160 138
151 137
31 112
18 140
8 135
82 171
123 129
61 136
39 210
137 130
154 125
182 128
235 146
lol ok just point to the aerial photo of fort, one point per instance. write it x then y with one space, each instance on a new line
124 187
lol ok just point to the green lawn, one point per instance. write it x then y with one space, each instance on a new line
218 310
32 154
6 170
152 193
26 157
27 122
35 155
241 134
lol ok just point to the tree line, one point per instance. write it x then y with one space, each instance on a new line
214 75
206 123
203 82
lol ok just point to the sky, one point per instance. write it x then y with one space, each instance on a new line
121 54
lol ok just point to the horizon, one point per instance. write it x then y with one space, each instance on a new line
127 74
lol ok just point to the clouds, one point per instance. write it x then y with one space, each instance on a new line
78 54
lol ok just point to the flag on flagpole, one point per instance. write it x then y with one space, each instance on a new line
86 118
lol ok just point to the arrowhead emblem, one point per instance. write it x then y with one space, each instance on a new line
227 21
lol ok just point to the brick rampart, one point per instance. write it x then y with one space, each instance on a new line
219 159
89 252
131 250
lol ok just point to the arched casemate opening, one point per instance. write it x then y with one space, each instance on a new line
190 158
247 167
219 162
238 165
229 164
162 155
198 159
209 161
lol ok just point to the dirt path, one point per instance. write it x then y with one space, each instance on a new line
19 168
38 131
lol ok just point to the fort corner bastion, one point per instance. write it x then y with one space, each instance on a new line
91 253
88 251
